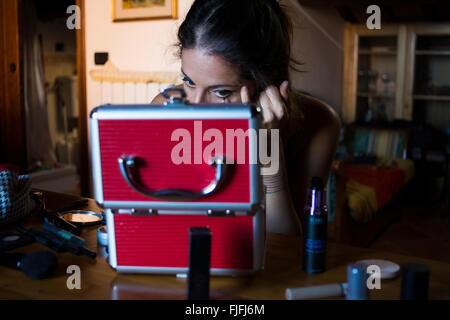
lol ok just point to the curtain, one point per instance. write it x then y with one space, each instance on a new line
39 143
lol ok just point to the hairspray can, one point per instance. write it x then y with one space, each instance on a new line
315 228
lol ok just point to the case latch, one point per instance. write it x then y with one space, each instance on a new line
220 213
179 98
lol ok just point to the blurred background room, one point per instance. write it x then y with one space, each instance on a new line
389 186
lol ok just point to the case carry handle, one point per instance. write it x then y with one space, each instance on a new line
128 164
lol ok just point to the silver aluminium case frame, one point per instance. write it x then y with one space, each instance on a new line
181 111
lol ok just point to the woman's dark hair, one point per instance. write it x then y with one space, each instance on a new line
253 35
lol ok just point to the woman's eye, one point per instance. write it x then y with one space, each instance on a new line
223 93
189 82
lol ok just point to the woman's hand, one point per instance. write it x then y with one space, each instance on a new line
273 103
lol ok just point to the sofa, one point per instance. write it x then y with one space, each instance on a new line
368 181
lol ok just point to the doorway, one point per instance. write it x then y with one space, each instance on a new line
51 96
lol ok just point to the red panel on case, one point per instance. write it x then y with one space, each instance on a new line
163 241
151 140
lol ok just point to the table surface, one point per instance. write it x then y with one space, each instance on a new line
282 270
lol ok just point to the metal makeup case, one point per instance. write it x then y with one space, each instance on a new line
151 201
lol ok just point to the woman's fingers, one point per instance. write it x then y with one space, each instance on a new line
268 115
278 105
284 90
272 102
245 98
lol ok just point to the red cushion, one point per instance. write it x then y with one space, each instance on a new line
385 181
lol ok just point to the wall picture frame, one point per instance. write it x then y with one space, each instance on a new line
132 10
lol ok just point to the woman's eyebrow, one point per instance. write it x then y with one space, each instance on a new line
213 86
224 85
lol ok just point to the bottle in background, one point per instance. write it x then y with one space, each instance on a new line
315 228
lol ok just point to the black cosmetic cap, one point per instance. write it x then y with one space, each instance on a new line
415 278
316 183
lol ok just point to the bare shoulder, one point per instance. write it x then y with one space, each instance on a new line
319 116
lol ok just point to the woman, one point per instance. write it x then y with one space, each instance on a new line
240 51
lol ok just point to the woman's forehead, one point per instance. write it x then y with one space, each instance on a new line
208 70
